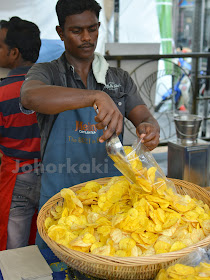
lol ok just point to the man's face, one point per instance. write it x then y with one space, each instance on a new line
80 35
5 60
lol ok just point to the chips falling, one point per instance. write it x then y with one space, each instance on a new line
130 220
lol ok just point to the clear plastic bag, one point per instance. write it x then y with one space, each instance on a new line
151 179
155 174
194 266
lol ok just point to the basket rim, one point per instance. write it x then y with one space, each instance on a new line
113 261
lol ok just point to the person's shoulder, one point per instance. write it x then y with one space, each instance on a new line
9 81
47 72
118 73
14 75
43 68
49 66
4 82
45 64
117 70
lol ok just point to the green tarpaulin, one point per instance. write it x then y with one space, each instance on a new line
164 11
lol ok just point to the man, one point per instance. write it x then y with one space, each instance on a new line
65 94
19 135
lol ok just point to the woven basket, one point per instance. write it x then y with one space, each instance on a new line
115 267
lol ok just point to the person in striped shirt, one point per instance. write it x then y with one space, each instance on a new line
19 135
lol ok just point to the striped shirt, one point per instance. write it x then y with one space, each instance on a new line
19 133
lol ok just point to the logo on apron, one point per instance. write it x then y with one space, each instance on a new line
85 128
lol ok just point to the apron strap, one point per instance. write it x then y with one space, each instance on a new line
57 81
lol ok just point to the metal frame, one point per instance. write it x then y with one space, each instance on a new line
195 73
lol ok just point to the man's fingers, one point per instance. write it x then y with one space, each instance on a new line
108 116
149 135
119 127
152 142
104 123
115 125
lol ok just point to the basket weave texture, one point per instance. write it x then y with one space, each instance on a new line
115 267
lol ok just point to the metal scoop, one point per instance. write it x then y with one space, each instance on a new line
116 152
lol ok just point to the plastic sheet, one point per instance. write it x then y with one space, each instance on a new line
194 266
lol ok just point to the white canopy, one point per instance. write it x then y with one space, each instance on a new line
138 22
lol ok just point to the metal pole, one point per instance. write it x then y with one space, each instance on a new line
116 20
175 17
198 26
197 46
196 86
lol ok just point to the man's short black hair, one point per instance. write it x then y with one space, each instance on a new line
23 35
66 8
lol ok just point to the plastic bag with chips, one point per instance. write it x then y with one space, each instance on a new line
148 172
194 266
151 179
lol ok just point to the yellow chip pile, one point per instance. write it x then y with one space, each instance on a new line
123 219
181 271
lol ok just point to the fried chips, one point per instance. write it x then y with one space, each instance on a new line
129 220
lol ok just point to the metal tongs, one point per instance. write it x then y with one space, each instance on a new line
116 152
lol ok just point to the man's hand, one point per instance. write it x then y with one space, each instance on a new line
149 135
108 116
147 127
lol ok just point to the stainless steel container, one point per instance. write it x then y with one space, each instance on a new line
189 162
187 128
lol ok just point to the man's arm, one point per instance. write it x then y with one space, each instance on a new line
147 128
50 99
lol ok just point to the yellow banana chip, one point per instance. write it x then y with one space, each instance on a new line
127 243
151 174
178 245
145 184
181 269
49 222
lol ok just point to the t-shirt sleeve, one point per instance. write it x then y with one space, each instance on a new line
133 97
40 72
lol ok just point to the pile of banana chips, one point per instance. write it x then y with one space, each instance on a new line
129 220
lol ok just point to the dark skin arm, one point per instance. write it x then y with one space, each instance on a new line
147 128
42 98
